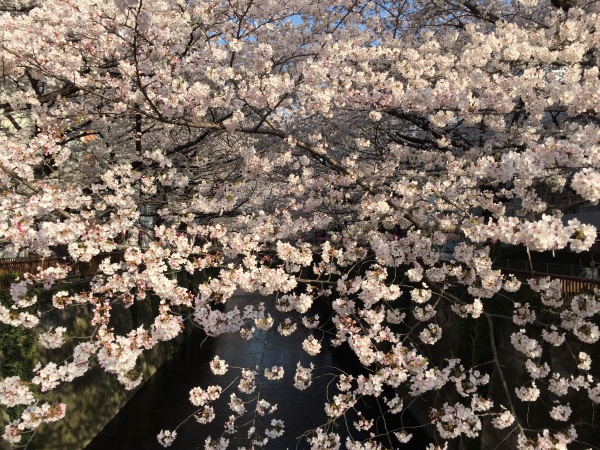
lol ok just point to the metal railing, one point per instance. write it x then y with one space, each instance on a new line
571 270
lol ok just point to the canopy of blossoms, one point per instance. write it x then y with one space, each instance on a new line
313 151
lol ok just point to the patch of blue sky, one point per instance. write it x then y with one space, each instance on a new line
296 19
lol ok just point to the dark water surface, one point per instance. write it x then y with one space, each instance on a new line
163 402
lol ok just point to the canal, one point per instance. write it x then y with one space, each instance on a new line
163 402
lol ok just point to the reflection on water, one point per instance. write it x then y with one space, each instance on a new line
163 402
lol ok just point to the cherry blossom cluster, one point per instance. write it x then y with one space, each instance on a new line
315 154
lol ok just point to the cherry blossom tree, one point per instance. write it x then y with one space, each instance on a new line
312 151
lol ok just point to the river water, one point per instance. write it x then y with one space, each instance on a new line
163 401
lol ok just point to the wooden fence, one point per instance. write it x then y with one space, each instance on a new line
30 265
571 285
575 286
12 267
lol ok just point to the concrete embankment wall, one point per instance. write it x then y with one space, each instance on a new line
94 399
